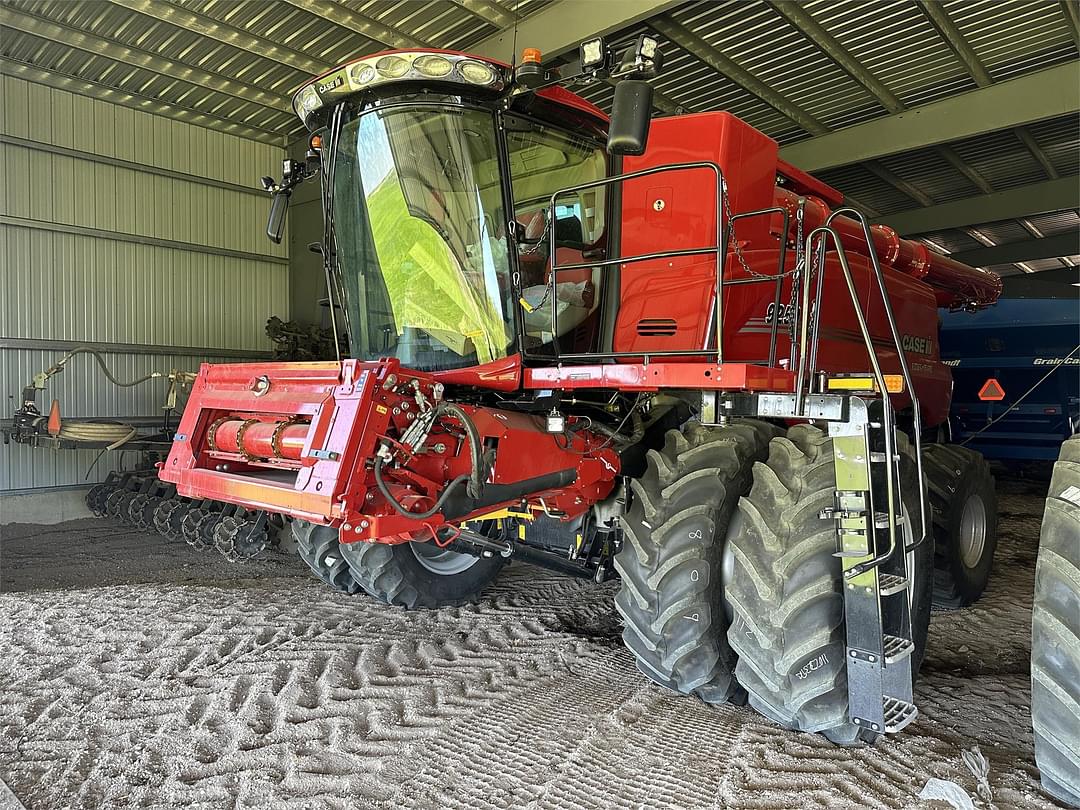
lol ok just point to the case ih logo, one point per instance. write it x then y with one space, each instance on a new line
919 345
335 82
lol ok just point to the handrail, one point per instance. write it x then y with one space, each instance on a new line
904 370
719 249
822 233
778 209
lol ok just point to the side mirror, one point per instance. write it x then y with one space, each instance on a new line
275 223
631 114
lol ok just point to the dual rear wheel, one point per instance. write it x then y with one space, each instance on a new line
729 583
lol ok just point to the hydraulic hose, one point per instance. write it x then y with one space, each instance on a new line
448 490
115 433
104 369
474 479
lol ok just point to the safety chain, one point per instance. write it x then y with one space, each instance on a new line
540 241
737 248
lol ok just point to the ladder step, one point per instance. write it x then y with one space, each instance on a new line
881 520
897 648
898 714
888 584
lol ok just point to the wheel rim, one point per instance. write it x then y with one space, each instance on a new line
442 561
973 531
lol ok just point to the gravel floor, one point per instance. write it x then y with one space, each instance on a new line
137 672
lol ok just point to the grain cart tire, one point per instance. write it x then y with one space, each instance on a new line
964 506
671 559
318 547
1055 634
420 575
785 592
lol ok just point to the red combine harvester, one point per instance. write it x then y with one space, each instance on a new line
573 341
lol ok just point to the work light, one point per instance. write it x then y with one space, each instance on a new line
592 53
432 65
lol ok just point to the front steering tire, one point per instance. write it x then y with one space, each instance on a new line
419 574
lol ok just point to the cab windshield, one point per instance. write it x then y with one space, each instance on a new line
421 237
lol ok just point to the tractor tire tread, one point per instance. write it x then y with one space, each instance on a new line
670 574
788 627
318 546
1055 636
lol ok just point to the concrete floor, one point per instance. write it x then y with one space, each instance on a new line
138 672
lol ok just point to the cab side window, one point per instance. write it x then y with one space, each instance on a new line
544 160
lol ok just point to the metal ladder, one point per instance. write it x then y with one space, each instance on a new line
871 523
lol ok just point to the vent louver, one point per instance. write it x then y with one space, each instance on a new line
656 327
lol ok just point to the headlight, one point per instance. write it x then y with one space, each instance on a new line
307 100
433 66
476 73
392 67
361 74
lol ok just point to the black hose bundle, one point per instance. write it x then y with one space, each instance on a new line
474 479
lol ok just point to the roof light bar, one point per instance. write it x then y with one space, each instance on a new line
406 66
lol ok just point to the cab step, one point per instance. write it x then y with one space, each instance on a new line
897 649
898 714
888 584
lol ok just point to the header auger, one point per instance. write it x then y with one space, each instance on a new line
650 348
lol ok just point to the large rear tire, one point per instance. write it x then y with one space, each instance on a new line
964 506
1055 633
671 597
786 588
318 546
419 575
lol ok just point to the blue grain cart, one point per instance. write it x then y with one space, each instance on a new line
1015 343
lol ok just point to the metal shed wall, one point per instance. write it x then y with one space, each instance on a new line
126 229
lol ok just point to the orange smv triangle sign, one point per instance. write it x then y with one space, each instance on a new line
991 391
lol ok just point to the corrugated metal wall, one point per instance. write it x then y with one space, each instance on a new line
123 228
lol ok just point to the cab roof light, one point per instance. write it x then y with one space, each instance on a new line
369 72
594 55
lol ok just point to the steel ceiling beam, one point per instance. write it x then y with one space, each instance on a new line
225 34
1025 201
957 42
489 11
1048 247
1072 19
698 47
801 20
495 14
561 26
1036 96
357 23
74 84
134 57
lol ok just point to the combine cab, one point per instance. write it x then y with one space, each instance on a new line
665 355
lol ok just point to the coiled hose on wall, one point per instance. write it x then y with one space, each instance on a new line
113 433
